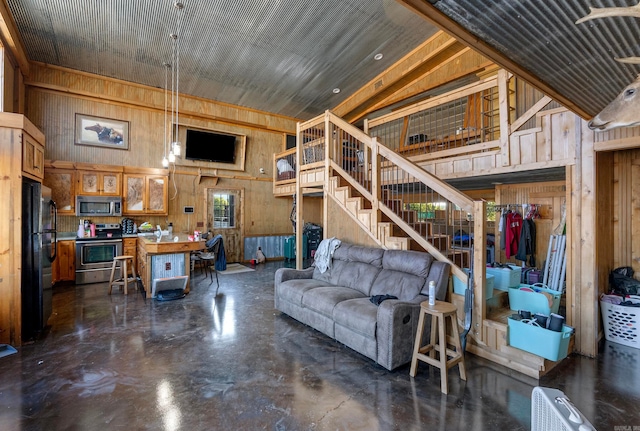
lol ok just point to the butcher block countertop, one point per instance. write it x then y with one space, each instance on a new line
151 245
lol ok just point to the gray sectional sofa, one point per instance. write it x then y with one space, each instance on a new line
337 302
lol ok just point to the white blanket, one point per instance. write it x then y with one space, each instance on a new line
324 253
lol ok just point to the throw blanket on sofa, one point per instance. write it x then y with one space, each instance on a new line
324 253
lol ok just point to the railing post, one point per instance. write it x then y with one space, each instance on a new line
327 174
376 190
479 272
298 198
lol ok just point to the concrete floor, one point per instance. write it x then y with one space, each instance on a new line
232 362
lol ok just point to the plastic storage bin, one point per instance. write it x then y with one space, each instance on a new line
549 344
621 323
535 302
505 278
459 287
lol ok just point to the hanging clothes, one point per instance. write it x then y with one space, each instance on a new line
513 230
502 229
527 243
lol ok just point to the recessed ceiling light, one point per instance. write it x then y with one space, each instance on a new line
378 56
336 90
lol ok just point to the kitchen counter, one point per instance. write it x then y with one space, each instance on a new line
164 258
66 236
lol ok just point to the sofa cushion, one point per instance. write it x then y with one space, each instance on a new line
372 256
412 262
324 299
400 284
359 315
292 290
359 276
353 266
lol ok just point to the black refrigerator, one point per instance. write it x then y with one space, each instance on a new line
39 235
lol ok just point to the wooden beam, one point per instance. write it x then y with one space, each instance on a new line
435 51
11 38
438 18
466 63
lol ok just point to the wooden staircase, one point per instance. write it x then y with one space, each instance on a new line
386 233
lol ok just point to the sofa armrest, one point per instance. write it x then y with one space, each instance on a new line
396 330
439 273
285 274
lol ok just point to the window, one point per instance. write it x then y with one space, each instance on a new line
224 210
428 211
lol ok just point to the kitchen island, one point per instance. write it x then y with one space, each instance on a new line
164 258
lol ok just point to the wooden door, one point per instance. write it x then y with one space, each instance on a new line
224 216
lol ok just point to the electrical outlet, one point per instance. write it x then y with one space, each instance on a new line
167 266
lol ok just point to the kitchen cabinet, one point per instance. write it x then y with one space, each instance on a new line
62 183
63 267
129 248
32 157
99 183
145 194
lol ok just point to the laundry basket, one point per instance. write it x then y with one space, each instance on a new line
621 322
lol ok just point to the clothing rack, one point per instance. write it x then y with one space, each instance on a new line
528 210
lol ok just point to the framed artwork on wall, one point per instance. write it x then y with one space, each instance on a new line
101 132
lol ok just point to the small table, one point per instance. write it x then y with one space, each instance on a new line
439 312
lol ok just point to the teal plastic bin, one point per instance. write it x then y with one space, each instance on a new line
505 278
551 345
535 302
459 287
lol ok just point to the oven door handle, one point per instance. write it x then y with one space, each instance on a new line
99 241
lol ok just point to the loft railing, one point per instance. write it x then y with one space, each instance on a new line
456 120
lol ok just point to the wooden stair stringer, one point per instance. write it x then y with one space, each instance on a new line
382 234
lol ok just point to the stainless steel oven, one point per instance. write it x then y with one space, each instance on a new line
94 255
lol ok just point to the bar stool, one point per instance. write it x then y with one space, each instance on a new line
126 262
439 313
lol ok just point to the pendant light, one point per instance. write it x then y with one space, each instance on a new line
165 160
176 148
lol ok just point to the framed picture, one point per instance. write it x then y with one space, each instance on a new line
102 132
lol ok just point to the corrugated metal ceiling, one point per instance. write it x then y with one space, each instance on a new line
576 60
282 56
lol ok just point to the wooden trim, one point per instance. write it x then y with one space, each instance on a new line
531 112
438 18
480 149
617 144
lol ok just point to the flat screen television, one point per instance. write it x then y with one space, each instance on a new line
210 147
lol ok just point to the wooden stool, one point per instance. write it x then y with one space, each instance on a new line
439 313
124 281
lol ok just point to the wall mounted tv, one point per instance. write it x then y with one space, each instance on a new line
210 146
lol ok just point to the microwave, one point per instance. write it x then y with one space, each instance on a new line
98 206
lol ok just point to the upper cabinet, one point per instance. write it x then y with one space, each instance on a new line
62 184
32 156
145 194
99 183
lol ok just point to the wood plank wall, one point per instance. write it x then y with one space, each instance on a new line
55 95
341 226
626 210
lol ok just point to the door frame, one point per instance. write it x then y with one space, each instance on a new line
240 226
